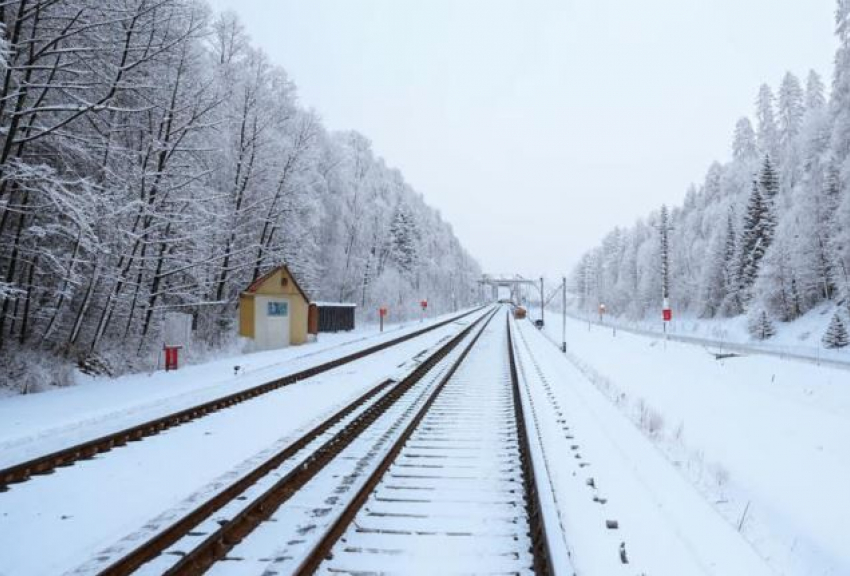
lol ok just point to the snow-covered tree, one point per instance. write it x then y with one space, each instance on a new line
836 335
767 131
769 229
815 99
791 109
760 325
744 145
152 159
756 236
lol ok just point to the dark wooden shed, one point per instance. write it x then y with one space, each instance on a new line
335 316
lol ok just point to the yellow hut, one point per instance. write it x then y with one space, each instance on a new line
273 311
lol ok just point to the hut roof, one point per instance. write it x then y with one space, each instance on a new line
255 285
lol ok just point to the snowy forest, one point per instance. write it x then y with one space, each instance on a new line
766 234
154 160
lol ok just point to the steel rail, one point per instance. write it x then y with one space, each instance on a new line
217 544
541 564
153 547
46 464
534 507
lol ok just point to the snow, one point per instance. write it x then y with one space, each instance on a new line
799 339
78 511
285 540
755 433
449 503
36 424
711 467
613 473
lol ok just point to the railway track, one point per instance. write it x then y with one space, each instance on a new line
48 463
457 492
440 457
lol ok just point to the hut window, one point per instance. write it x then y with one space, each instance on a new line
278 309
284 281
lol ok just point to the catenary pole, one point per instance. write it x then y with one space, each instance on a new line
564 315
542 301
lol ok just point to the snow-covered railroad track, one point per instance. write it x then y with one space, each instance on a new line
456 493
48 463
189 543
438 481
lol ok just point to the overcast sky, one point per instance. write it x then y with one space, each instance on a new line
536 126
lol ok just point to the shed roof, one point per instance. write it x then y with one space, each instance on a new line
259 281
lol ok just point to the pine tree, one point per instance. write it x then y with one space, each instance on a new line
815 99
756 237
760 325
403 238
768 180
836 335
664 230
767 132
744 146
791 109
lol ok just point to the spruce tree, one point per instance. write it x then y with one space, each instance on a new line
791 108
404 237
761 326
767 132
836 335
768 180
815 99
744 144
756 237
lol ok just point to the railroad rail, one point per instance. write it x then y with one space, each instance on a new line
453 429
48 463
273 482
469 439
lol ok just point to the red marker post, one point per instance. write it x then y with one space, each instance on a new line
171 357
382 311
424 305
666 314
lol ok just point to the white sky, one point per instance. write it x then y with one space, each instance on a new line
536 126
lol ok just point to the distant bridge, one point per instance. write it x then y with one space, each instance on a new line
513 282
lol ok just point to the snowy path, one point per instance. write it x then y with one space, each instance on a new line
79 510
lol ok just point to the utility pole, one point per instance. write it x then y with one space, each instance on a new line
564 315
664 231
587 293
542 301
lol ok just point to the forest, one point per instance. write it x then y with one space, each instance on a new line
153 160
766 234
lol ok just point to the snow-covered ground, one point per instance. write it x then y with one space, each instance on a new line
79 511
602 470
720 467
764 439
800 338
36 424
